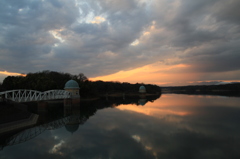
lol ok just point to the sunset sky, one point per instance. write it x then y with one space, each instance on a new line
163 42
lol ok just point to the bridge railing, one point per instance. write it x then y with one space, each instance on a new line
23 95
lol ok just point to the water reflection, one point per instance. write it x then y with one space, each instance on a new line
36 117
173 126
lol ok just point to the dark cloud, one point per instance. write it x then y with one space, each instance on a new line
218 57
206 35
227 11
26 27
95 37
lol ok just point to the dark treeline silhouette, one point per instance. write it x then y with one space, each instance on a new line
231 89
1 88
114 87
41 81
48 80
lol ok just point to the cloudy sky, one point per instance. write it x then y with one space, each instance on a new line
165 42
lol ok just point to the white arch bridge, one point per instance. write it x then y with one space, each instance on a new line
23 95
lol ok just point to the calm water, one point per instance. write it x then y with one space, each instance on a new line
173 126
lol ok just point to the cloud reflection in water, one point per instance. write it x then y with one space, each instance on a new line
174 126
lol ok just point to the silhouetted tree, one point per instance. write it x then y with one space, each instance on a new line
81 77
1 87
48 80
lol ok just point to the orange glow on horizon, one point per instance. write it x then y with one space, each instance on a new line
156 73
12 73
163 75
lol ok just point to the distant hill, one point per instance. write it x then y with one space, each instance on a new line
229 89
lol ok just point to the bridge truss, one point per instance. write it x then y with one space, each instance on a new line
23 95
31 133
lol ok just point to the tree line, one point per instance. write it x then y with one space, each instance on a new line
230 89
49 80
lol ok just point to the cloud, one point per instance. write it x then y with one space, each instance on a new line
104 37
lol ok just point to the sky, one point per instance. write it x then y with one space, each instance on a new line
163 42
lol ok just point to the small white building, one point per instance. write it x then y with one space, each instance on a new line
72 87
142 89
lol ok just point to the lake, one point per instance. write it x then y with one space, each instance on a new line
172 126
